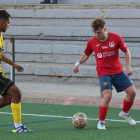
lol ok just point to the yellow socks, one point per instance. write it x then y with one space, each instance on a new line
16 109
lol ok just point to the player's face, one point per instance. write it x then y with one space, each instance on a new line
5 24
100 33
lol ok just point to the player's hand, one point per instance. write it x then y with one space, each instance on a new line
76 69
19 68
129 71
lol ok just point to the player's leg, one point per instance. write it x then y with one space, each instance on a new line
131 93
106 86
123 82
127 104
11 95
129 99
15 94
5 100
107 95
5 84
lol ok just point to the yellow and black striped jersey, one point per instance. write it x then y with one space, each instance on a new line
1 49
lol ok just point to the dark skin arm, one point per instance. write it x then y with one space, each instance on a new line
6 60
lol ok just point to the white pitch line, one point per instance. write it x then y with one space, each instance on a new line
55 116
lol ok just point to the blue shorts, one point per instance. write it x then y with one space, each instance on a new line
120 81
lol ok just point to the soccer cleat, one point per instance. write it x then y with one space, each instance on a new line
22 129
127 118
101 125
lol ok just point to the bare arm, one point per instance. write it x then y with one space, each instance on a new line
6 60
128 62
83 58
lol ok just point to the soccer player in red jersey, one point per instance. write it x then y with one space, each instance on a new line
106 47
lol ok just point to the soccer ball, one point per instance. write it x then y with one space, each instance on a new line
79 120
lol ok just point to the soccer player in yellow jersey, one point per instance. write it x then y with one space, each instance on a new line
8 90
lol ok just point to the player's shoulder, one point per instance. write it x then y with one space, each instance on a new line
92 40
114 35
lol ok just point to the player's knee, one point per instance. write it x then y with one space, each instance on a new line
133 93
15 92
107 96
7 101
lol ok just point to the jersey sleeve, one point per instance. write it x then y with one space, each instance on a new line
122 44
88 50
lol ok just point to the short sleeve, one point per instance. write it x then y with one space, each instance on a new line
88 50
122 44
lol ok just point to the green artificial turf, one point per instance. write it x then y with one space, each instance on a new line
61 128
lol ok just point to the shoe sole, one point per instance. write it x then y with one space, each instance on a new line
101 129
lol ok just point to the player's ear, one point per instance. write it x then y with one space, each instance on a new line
105 29
2 21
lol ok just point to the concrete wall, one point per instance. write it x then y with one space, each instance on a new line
85 2
99 2
16 2
72 22
54 61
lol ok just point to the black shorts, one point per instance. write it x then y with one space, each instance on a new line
5 84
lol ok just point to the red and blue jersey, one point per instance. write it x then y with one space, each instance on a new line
107 54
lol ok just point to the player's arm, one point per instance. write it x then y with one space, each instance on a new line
124 48
7 60
83 58
128 62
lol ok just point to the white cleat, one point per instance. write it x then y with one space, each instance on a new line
127 118
101 125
